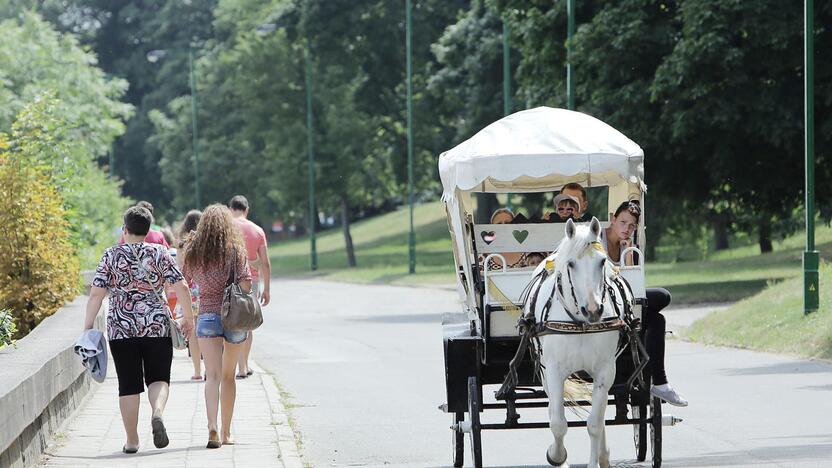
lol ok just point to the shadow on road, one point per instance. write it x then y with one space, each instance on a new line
787 368
776 454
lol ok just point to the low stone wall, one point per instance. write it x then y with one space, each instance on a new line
41 383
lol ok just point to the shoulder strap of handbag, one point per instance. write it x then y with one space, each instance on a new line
147 273
232 273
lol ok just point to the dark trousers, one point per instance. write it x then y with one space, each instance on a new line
654 331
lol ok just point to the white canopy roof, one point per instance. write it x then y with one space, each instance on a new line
540 149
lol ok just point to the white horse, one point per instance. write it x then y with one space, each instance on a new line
575 291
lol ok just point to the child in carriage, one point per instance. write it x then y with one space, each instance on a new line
615 239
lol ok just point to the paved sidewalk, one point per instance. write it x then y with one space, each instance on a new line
95 435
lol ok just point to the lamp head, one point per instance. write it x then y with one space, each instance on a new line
155 55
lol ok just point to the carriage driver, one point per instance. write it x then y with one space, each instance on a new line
615 240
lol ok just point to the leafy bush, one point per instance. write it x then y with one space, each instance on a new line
7 328
38 263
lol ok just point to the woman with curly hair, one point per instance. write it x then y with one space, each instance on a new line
211 252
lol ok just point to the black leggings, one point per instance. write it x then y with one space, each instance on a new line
654 331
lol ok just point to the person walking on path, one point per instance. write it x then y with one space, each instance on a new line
211 254
185 232
258 257
154 235
138 327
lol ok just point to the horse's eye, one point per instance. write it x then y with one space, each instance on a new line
603 261
571 264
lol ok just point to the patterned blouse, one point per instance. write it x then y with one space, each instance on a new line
135 310
211 283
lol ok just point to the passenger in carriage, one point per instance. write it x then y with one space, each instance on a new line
566 207
617 238
513 259
578 191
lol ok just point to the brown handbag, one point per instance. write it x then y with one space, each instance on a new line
240 310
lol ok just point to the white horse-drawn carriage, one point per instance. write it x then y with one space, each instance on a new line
576 315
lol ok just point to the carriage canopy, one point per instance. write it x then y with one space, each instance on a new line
538 150
535 150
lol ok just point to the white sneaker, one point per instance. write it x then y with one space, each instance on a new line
668 394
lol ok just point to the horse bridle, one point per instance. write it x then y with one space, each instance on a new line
562 296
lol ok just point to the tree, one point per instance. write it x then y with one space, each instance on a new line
73 116
731 92
38 265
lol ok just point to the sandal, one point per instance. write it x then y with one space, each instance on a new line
213 440
197 378
160 434
129 450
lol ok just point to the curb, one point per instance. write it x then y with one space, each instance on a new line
287 442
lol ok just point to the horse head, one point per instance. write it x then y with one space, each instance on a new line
580 266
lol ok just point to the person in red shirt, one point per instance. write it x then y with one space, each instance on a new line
154 236
258 259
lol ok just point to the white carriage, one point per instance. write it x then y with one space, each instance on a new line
537 150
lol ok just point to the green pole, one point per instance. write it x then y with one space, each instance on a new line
310 145
570 33
811 284
194 124
506 85
411 238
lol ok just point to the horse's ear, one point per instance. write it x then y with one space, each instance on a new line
595 226
570 229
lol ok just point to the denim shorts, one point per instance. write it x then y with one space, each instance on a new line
210 326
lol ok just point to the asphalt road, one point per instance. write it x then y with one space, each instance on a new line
363 366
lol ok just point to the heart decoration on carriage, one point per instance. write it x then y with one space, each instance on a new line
488 236
575 307
519 235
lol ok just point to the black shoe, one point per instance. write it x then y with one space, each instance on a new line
160 435
126 449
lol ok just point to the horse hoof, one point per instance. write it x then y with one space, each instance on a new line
560 464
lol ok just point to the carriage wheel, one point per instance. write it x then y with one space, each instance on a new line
656 431
474 406
640 433
458 440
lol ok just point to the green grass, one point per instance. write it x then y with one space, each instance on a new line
381 252
734 274
774 321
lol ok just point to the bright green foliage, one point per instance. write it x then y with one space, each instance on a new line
72 120
43 59
38 266
91 200
7 328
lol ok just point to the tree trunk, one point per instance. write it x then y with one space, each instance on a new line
765 235
345 222
720 226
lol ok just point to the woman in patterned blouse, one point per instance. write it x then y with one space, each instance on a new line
134 274
210 254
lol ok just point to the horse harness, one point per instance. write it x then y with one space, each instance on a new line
624 322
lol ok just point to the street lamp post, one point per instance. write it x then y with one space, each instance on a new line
811 284
262 30
570 33
506 86
154 56
411 238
